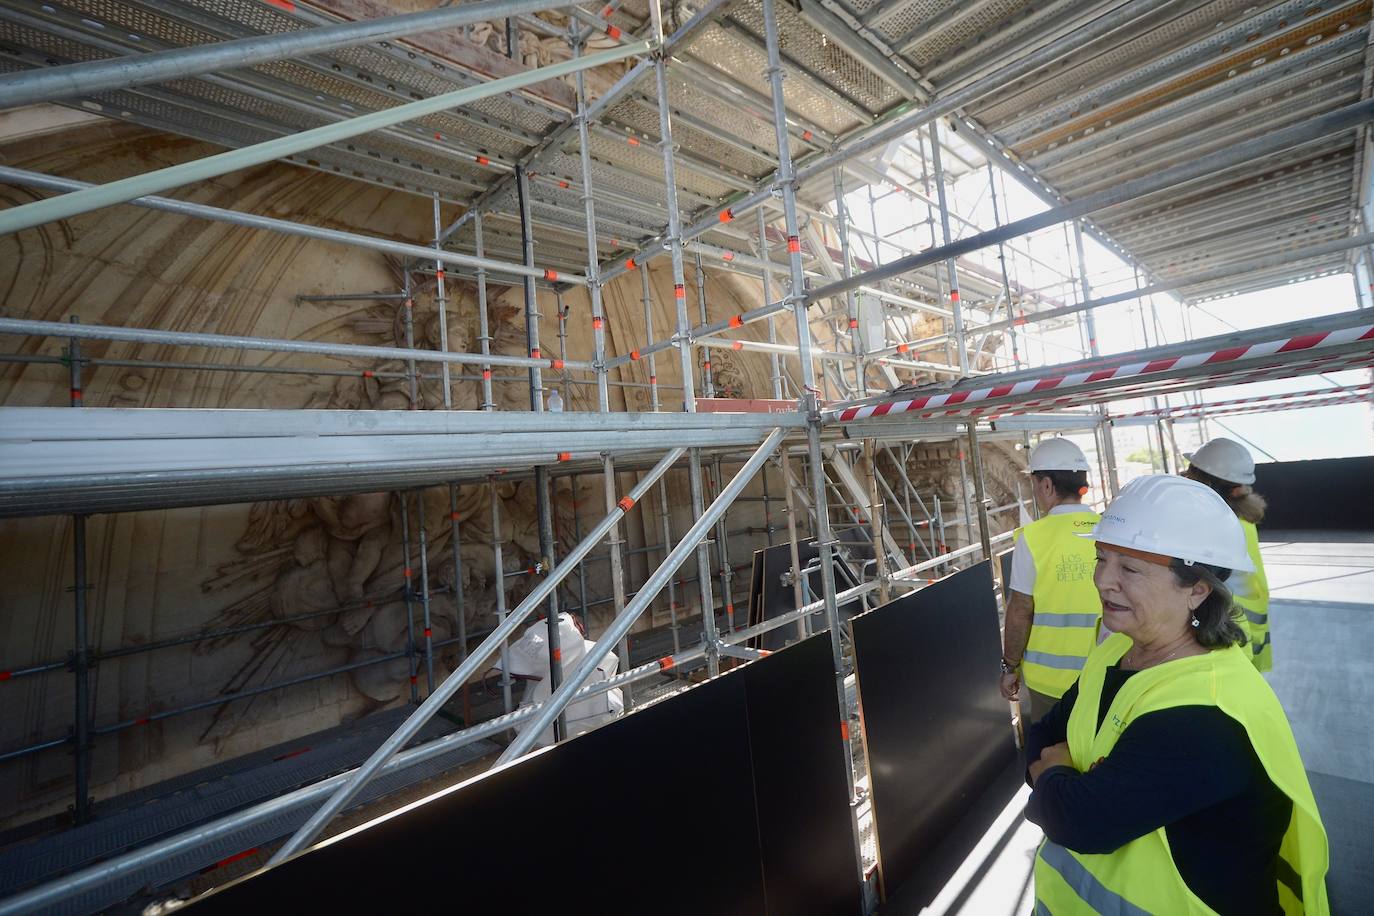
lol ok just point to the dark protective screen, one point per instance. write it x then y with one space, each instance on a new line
724 799
799 780
1333 494
769 597
935 729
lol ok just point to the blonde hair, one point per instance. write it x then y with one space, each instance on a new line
1248 505
1243 500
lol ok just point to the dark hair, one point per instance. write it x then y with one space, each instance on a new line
1218 615
1066 483
1245 502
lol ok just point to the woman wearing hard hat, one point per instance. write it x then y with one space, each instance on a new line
1167 780
1052 608
1226 466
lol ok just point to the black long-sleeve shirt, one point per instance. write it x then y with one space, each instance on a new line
1191 770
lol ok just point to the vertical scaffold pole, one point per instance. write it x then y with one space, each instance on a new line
774 359
664 517
499 572
708 389
455 534
683 338
851 302
1006 292
408 571
582 607
876 521
796 294
1154 402
603 403
483 324
428 632
541 473
81 669
1105 428
961 348
409 594
775 364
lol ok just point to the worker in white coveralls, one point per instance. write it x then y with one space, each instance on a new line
1227 467
1053 611
529 661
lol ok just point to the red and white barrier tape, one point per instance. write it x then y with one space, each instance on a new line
1258 399
1367 397
1225 355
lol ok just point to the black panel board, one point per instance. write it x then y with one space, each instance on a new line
935 729
1004 568
1331 494
692 805
936 870
768 597
800 786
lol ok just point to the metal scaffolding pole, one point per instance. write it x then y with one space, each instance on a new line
708 389
80 662
409 598
876 521
796 297
541 479
499 570
424 590
455 532
708 382
727 572
124 190
31 87
905 119
417 720
483 324
1237 154
850 302
555 142
961 346
1002 266
1174 283
664 516
581 567
128 863
603 404
271 224
682 338
1104 428
560 699
236 342
408 304
774 360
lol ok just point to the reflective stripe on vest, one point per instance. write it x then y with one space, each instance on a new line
1067 620
1255 603
1058 662
1140 876
1090 890
1067 607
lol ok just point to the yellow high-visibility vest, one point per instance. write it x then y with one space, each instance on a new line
1067 607
1256 606
1140 877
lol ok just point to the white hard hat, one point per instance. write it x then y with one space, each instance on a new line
1224 459
1175 517
1057 455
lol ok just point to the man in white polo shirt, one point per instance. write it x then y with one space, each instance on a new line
1053 609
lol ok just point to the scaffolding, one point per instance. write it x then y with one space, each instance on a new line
898 337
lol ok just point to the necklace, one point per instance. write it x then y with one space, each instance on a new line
1139 666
